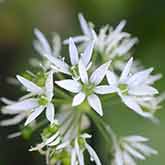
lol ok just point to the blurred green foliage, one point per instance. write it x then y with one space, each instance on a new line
17 20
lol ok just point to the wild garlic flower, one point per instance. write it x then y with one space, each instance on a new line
57 62
131 148
64 140
88 87
130 87
19 115
109 42
40 99
80 145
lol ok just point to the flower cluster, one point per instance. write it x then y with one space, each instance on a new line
70 90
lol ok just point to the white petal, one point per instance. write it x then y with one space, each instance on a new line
105 89
77 39
52 138
118 157
133 152
95 103
146 150
31 87
73 52
83 72
43 42
7 101
143 90
86 56
50 112
70 85
140 77
84 25
34 114
12 121
79 153
59 64
128 159
126 70
136 138
78 99
49 85
111 77
55 142
23 105
73 157
132 104
93 154
98 75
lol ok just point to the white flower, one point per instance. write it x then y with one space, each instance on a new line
129 87
108 41
80 145
89 87
54 140
56 62
130 148
34 104
19 116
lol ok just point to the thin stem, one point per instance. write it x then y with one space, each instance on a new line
105 129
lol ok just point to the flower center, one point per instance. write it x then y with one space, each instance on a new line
74 71
42 100
88 89
123 88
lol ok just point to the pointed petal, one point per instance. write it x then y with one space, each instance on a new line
77 39
49 86
93 154
99 74
126 70
140 77
43 42
83 72
146 150
84 26
23 105
50 112
73 52
29 85
95 103
34 114
73 157
70 85
59 64
143 90
133 152
87 55
135 138
105 89
128 159
12 121
132 104
52 138
78 99
111 77
79 153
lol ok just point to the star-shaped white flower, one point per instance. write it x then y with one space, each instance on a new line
130 87
131 148
40 99
107 39
56 61
77 156
88 87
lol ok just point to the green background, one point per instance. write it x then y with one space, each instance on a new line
145 19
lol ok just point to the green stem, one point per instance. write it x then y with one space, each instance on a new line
105 129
